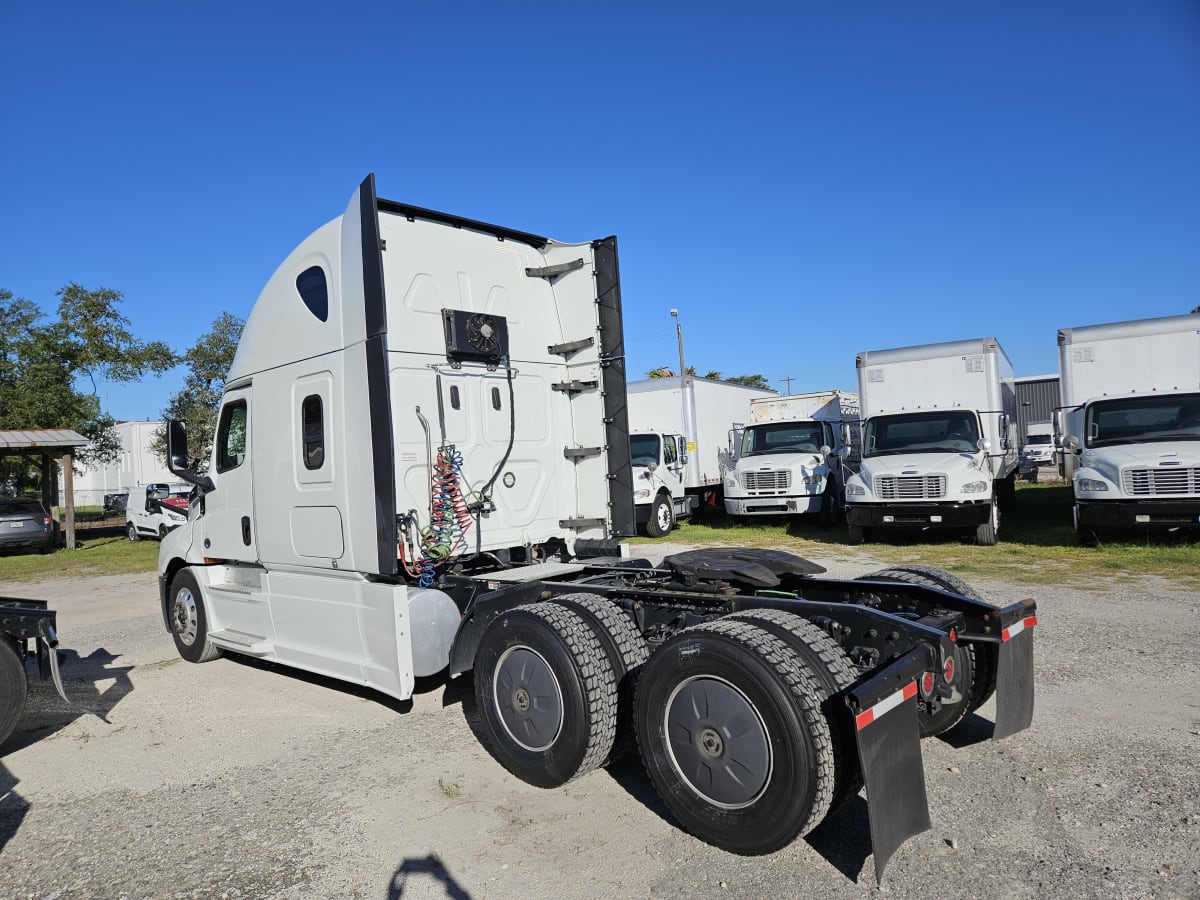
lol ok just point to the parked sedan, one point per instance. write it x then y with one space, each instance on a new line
25 523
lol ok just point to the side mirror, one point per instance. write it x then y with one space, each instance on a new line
177 457
683 460
826 450
653 467
984 444
1071 442
847 435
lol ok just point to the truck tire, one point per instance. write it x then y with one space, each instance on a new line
985 534
662 517
627 652
829 512
835 672
1006 493
860 534
13 688
977 663
189 622
131 532
546 694
728 693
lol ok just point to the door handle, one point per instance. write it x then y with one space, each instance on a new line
246 530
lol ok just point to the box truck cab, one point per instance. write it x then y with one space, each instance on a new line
938 440
1130 424
793 457
659 496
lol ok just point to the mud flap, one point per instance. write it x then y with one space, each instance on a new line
1014 677
889 750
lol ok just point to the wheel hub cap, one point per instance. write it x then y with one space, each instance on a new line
528 698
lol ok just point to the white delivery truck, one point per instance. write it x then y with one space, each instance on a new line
794 456
421 465
939 446
1130 423
1038 451
679 436
157 509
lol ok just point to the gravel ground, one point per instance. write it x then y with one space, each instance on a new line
237 779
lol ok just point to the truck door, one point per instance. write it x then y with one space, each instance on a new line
228 530
672 469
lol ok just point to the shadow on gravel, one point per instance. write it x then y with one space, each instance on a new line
974 729
844 838
12 806
45 711
426 873
333 684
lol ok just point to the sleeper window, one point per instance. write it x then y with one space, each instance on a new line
312 421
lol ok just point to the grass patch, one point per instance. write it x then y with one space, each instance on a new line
1037 545
109 555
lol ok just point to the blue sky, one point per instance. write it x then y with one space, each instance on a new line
803 181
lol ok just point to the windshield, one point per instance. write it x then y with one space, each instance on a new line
1136 420
782 437
946 432
643 449
1043 439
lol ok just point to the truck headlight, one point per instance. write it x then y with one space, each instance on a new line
813 479
643 494
1092 484
975 487
855 490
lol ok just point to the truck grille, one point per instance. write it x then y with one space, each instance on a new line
919 487
774 480
1153 482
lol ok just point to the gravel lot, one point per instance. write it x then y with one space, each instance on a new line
236 779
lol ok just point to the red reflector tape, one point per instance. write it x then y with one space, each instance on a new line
1017 627
867 716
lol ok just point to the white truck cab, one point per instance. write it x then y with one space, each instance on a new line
793 458
939 443
660 494
1130 424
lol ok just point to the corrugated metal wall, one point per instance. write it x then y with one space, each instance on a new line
1036 401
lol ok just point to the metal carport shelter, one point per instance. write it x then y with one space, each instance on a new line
47 443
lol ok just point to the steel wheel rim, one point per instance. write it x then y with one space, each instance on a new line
187 622
717 742
527 698
664 516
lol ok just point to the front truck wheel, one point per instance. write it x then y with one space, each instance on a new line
860 534
985 534
546 694
189 621
733 737
13 688
977 664
662 517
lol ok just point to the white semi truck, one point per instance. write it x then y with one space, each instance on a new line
679 437
939 446
1130 424
421 465
794 456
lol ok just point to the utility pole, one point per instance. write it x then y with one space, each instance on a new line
788 381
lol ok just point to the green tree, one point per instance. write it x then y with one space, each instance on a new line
197 402
758 381
46 364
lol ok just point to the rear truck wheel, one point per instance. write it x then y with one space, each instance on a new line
985 534
976 664
860 534
131 532
835 672
13 688
189 622
546 694
662 517
1006 493
732 734
627 652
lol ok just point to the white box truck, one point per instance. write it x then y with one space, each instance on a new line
421 465
679 437
1130 424
939 446
794 456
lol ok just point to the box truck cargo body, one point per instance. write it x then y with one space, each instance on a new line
794 456
939 445
1130 423
683 431
422 466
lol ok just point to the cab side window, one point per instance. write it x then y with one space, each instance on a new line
231 436
312 424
